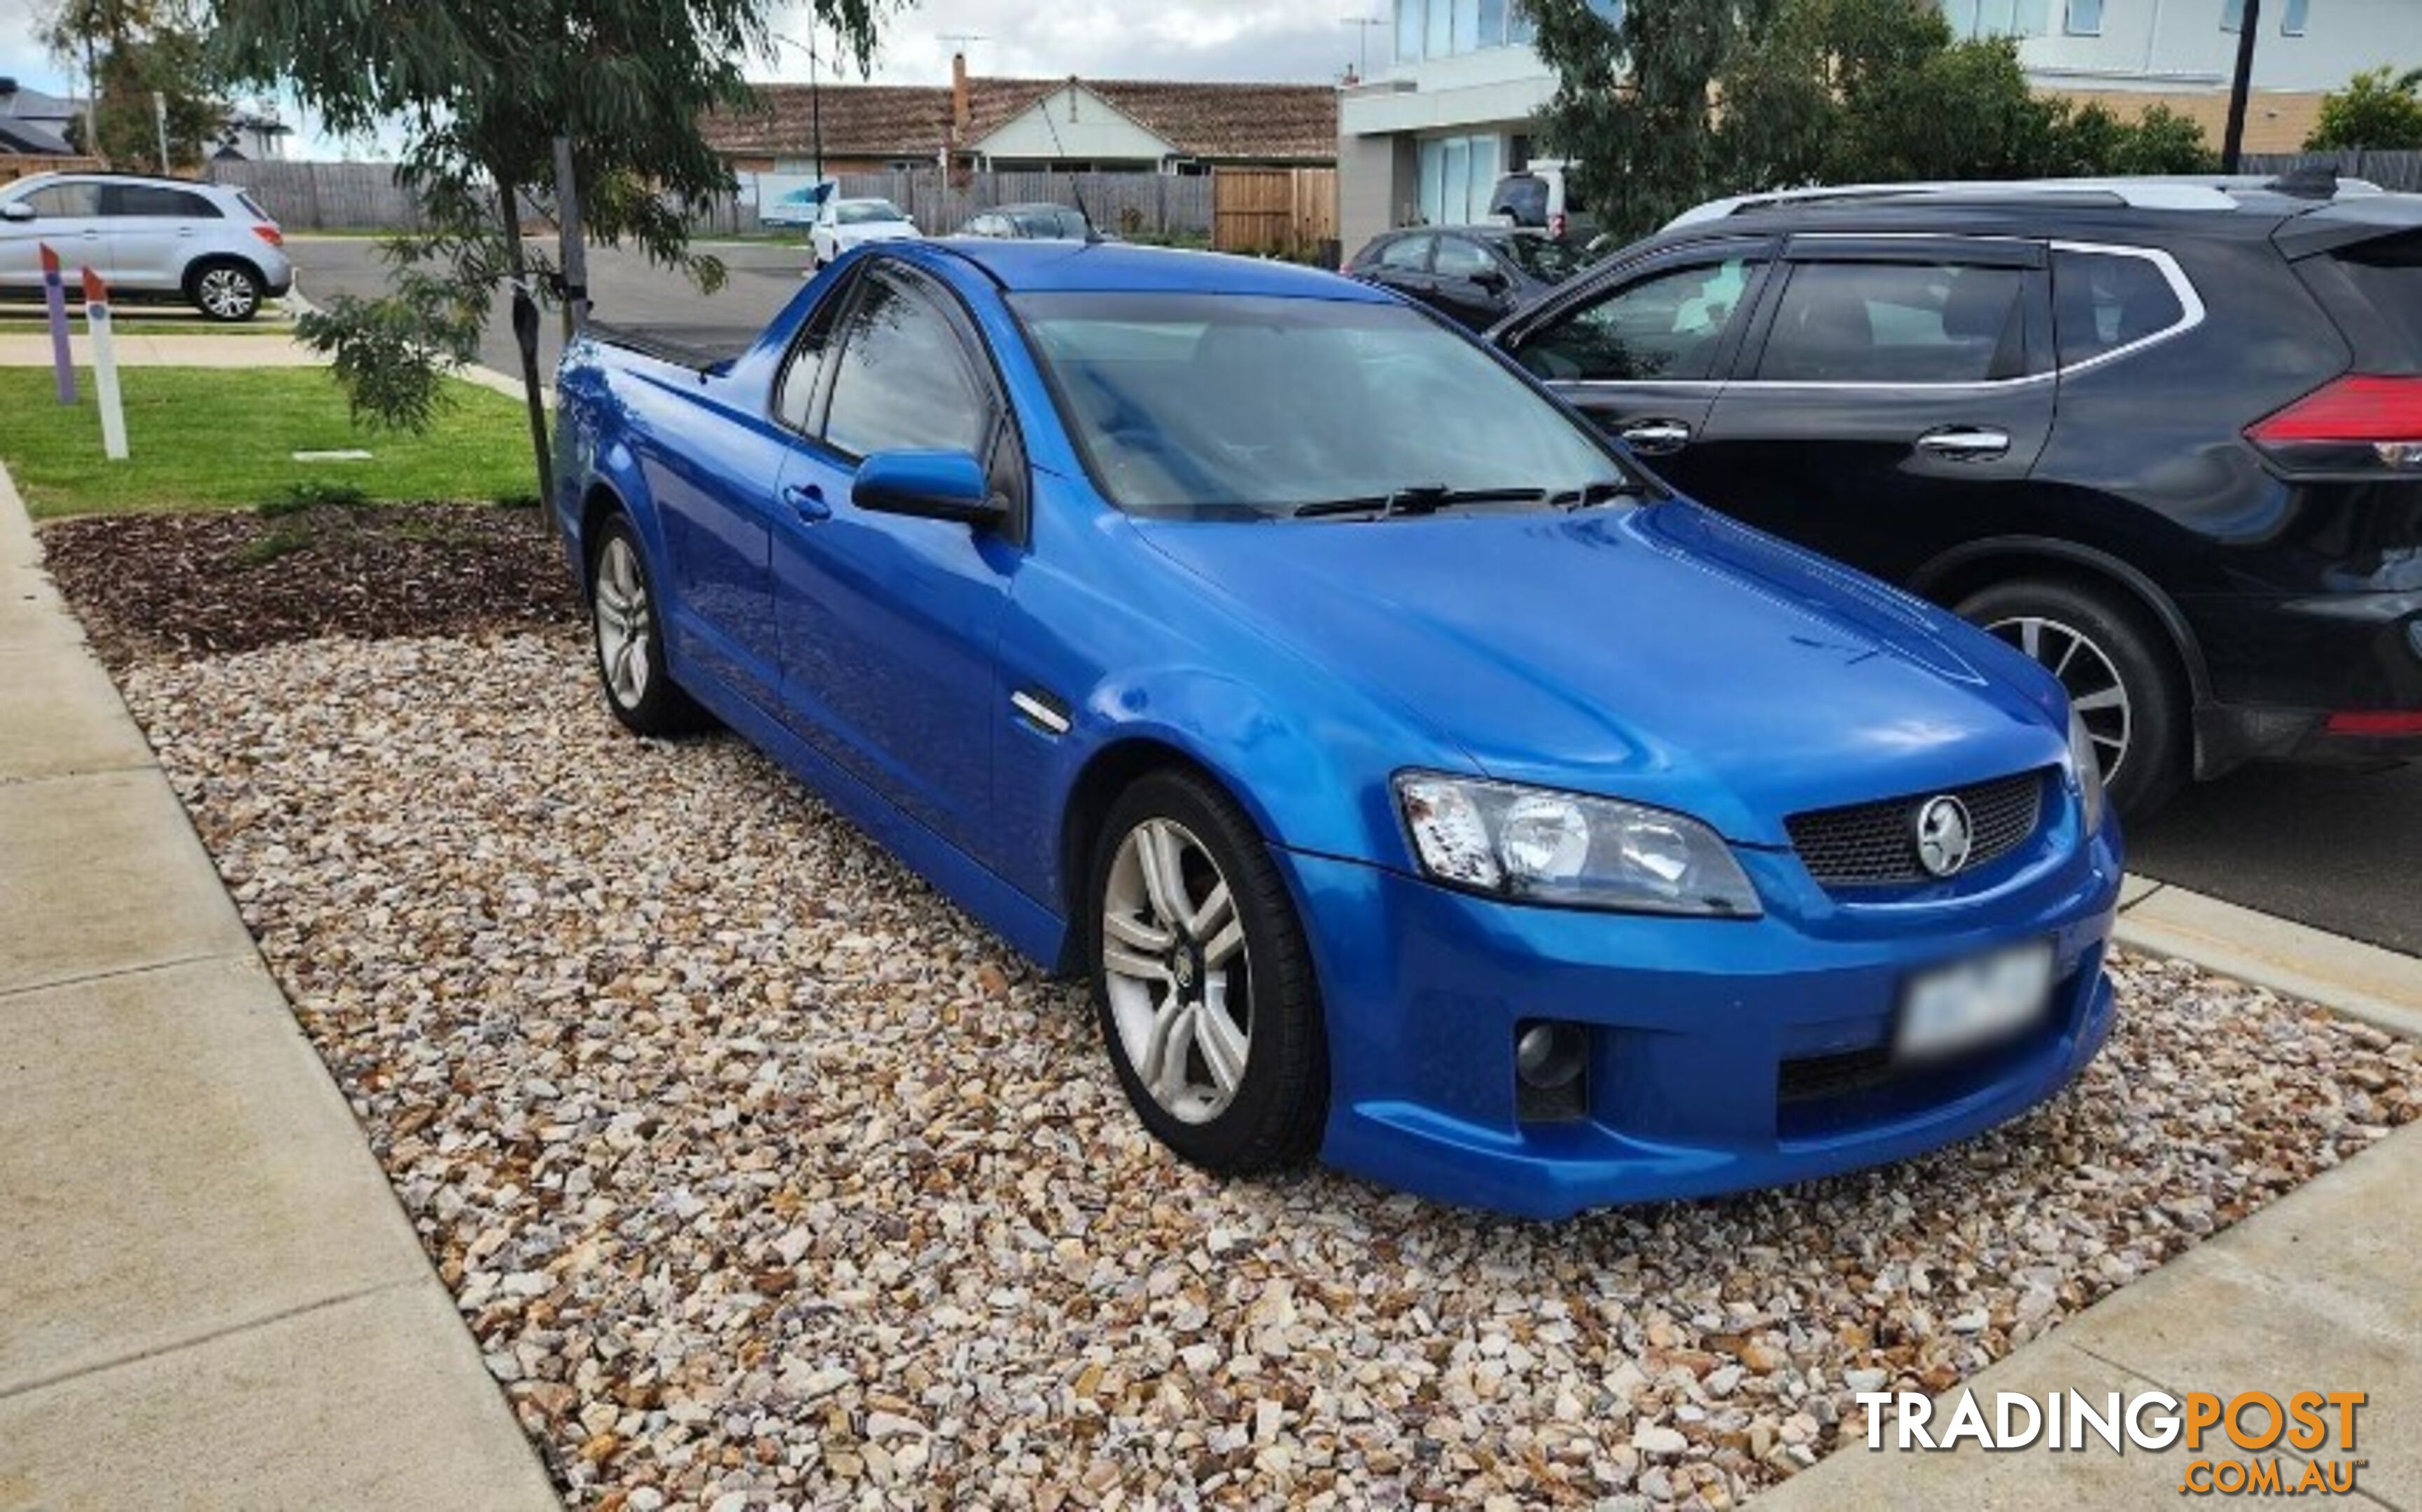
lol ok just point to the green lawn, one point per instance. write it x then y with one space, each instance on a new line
217 438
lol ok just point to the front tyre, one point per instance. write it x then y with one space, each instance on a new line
1202 979
629 637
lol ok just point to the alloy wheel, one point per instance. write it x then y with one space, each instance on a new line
2095 689
226 294
621 615
1177 971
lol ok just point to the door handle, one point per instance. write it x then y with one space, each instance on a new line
1966 443
1656 436
807 501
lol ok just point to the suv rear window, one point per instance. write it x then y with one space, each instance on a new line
2104 301
1523 196
1898 322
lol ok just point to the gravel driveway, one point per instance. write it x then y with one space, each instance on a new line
764 1176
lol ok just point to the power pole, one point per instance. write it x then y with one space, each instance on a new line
572 255
160 124
2232 144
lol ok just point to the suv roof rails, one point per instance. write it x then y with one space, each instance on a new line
2214 192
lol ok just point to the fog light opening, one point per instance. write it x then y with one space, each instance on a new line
1550 1066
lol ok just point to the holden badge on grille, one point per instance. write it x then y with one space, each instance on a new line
1944 834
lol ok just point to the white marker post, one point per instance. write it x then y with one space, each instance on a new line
104 367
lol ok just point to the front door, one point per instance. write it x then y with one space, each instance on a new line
889 624
1642 349
66 219
1890 401
1468 283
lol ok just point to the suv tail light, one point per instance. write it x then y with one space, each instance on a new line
269 234
2351 424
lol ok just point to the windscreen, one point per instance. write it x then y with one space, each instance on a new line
1230 405
866 211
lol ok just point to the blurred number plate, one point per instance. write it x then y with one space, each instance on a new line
1976 1002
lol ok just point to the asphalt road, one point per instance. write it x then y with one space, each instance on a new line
2340 850
624 288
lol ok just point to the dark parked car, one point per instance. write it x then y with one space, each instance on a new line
2164 436
1029 223
1476 274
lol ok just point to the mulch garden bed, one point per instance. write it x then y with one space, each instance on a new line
176 585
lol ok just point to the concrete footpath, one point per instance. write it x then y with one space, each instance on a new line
209 1295
2317 1292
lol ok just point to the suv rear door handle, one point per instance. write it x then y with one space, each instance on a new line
1966 443
1656 436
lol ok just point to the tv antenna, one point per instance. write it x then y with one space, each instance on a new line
1361 26
961 41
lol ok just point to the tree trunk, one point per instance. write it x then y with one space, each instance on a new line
509 204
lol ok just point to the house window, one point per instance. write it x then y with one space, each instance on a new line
2292 19
2085 18
1519 26
2232 15
1438 37
1408 31
1458 175
1973 19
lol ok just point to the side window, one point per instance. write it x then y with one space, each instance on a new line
2102 301
1459 258
65 199
1898 322
1667 326
155 199
903 383
1407 254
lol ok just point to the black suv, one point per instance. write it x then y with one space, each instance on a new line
2165 436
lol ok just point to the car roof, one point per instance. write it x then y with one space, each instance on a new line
110 176
1123 267
2181 201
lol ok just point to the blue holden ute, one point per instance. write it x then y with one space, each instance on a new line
1418 783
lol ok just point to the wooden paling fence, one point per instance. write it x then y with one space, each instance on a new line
1289 212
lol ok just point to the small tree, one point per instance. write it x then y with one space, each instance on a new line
481 92
1814 91
135 49
1631 101
2378 109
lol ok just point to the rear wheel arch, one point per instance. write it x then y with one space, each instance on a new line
1977 565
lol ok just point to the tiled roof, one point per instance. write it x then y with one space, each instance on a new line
1253 121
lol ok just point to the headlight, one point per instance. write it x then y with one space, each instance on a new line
2085 768
1536 846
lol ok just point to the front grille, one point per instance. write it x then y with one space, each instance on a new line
1875 844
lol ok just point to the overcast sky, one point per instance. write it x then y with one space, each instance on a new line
1267 39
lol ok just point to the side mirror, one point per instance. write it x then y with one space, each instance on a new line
16 209
1491 279
932 486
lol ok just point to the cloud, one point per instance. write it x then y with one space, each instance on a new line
21 55
1255 40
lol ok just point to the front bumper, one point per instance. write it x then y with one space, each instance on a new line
1722 1054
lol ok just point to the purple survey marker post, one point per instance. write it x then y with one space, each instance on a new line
54 295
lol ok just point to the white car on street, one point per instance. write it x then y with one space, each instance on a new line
207 244
842 224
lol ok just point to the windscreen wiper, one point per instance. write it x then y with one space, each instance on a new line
1419 498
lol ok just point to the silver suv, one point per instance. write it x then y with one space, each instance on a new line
205 244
